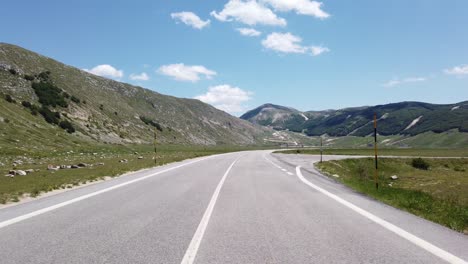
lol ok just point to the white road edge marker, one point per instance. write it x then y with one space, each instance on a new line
192 249
81 198
402 233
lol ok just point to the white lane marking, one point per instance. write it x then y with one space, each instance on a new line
284 170
274 164
81 198
402 233
290 173
192 250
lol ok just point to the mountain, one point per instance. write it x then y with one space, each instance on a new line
47 101
276 116
405 118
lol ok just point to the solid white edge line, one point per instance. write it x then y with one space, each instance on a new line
192 249
402 233
80 198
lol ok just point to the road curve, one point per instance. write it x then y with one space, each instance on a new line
244 207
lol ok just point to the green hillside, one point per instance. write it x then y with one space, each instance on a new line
47 104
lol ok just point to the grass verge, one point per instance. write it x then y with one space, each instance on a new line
438 194
102 162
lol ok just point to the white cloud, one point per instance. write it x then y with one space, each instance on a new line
458 70
248 12
190 19
139 77
302 7
106 70
182 72
289 43
317 50
226 97
396 81
249 32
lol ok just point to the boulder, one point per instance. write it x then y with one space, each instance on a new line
12 172
123 161
82 165
394 177
10 175
21 173
100 164
74 167
52 168
29 171
140 157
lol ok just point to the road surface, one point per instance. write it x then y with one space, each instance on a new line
245 207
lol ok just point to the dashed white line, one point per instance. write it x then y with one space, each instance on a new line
402 233
290 173
192 250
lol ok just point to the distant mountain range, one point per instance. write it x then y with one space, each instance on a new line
43 101
405 118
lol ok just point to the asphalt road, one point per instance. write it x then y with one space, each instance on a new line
246 207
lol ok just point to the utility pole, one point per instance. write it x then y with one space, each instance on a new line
376 173
155 150
321 149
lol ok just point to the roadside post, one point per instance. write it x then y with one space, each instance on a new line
155 150
321 149
376 173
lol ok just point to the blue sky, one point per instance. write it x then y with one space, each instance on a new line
300 53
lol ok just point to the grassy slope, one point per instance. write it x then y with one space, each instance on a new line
438 194
186 121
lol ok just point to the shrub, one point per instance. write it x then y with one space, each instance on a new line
101 107
13 71
26 104
50 116
74 99
9 99
44 75
420 164
34 109
49 94
150 122
6 120
28 77
67 126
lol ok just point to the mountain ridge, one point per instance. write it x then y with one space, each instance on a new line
402 118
